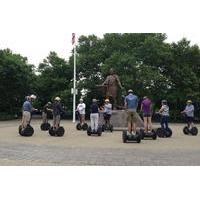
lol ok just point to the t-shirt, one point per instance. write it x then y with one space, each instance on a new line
94 108
45 108
27 106
108 108
146 106
57 108
131 101
81 108
189 110
165 111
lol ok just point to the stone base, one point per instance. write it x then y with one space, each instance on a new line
119 119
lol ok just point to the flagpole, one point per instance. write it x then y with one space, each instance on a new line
74 88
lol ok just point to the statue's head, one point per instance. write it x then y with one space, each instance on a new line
112 71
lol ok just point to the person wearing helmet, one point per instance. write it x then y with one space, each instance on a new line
131 104
107 111
27 108
146 110
189 112
164 112
94 115
46 109
81 111
57 110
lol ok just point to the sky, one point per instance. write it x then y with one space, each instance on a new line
34 28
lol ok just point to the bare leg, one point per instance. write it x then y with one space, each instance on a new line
129 127
145 124
149 124
134 127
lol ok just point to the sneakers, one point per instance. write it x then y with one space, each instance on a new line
129 134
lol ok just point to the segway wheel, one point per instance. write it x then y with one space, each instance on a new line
99 131
103 127
78 126
154 137
85 126
160 132
194 131
27 132
60 132
186 130
20 129
52 132
45 126
138 135
124 136
168 132
111 128
142 133
89 131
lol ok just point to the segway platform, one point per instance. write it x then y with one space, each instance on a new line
45 126
193 131
83 127
164 133
91 132
150 135
27 132
57 132
131 138
106 127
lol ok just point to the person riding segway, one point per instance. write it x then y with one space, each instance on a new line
107 113
189 115
45 126
81 116
56 129
131 103
94 120
25 129
164 131
146 109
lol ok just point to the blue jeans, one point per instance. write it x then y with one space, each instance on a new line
164 122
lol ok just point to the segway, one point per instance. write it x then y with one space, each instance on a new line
164 132
27 132
131 138
150 135
83 127
107 127
92 132
193 131
59 132
79 127
45 126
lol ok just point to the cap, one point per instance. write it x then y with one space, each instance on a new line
130 91
189 101
57 99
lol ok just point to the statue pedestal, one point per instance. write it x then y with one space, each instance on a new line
119 120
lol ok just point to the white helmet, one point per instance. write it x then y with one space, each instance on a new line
57 99
33 96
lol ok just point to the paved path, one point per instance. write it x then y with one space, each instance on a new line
76 148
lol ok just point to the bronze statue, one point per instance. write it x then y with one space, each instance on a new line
111 84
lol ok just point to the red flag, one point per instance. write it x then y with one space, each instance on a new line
73 38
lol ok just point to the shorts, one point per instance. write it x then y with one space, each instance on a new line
106 116
146 114
131 116
189 119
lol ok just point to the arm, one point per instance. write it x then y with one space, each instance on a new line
118 81
161 110
141 107
106 81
